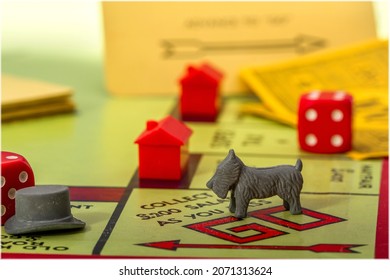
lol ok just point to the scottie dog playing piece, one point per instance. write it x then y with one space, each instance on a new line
246 183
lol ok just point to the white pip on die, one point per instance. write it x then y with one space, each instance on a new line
16 173
325 122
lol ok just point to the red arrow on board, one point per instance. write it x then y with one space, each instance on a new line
318 248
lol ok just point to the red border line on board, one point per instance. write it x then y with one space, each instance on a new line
382 226
97 194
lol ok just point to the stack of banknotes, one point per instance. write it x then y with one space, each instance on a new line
360 70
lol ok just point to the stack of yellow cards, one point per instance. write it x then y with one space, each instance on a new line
23 98
361 70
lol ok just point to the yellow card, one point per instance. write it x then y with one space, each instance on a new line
148 45
21 98
358 69
361 70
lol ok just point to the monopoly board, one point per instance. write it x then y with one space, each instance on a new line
344 202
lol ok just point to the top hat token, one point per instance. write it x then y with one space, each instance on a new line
42 208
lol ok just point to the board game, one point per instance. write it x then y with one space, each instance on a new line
345 205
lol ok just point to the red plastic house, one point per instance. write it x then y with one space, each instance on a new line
163 149
199 97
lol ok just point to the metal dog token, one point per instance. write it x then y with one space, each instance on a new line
246 183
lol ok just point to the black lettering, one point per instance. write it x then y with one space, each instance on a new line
190 216
169 222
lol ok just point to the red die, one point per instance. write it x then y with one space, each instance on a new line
16 173
325 122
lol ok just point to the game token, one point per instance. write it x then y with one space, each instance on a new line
42 208
246 183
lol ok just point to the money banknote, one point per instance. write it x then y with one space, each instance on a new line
360 70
